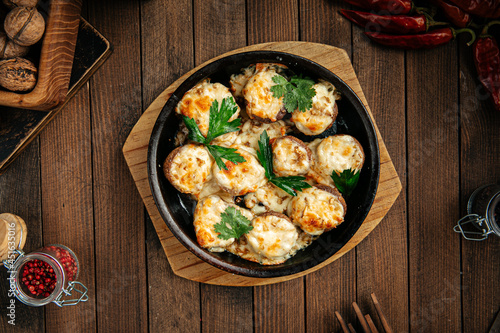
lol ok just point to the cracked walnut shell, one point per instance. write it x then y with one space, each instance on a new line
24 26
18 74
9 49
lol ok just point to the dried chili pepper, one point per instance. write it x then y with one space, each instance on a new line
389 6
397 24
487 61
457 16
426 40
483 8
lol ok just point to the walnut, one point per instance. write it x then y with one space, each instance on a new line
9 49
24 26
20 3
17 74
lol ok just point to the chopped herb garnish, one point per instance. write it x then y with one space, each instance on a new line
232 225
346 181
298 92
288 184
218 125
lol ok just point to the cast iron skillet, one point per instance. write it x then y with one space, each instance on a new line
177 209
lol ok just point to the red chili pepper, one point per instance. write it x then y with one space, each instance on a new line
400 24
483 8
426 40
457 16
487 61
389 6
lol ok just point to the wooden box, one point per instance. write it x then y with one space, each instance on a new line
56 58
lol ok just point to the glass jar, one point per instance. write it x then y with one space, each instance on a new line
47 275
483 211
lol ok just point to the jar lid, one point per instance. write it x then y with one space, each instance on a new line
9 224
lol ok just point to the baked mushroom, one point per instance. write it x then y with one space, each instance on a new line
317 209
273 236
338 153
196 103
260 103
291 157
241 178
206 215
322 114
188 168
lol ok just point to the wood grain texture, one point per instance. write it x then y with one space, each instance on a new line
66 173
382 258
321 288
272 21
20 195
116 102
433 187
56 59
160 66
186 264
479 165
280 307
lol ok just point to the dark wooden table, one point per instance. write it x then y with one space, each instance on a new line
72 186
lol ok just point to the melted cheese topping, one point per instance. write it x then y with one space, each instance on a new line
339 152
268 198
188 168
291 157
238 81
241 178
206 215
272 236
196 103
251 131
259 99
321 115
316 211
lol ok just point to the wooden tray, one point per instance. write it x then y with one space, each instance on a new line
186 264
56 58
18 127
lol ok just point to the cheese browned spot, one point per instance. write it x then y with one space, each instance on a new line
273 235
196 103
238 81
338 153
291 157
267 198
188 168
260 103
321 115
317 209
208 213
241 178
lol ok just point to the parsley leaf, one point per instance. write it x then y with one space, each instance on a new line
218 125
232 225
298 92
229 154
346 181
288 184
219 119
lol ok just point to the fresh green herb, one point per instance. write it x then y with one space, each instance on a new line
346 181
298 92
288 184
218 125
232 225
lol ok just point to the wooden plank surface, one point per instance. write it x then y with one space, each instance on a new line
433 190
442 139
479 165
116 102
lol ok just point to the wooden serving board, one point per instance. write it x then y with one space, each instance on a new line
186 264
